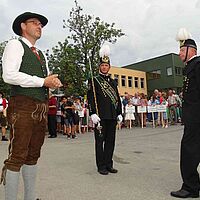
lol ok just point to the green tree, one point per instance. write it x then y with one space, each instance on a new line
4 87
86 36
63 61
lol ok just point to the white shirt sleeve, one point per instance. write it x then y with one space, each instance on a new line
11 62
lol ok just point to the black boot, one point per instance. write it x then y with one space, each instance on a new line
4 138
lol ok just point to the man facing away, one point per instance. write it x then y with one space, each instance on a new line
25 69
190 143
52 116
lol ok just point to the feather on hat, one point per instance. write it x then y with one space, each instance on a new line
104 54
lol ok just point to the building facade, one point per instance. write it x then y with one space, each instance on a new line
162 72
129 80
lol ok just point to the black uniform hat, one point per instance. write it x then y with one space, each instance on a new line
104 54
184 37
105 59
25 16
188 43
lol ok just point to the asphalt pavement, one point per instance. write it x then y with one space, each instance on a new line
147 160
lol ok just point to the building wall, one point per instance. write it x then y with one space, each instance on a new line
158 72
128 74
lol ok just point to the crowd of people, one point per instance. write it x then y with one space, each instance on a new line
67 115
70 116
133 116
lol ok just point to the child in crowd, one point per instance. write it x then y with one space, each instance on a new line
164 114
154 102
83 118
129 114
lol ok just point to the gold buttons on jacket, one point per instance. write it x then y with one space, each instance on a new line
186 83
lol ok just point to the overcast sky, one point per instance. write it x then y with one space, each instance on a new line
150 25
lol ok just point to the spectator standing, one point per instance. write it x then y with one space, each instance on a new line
135 100
125 100
164 114
181 105
58 116
143 102
129 114
155 102
83 118
178 106
77 110
172 104
3 114
68 110
52 116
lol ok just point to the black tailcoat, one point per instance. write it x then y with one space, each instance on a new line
190 144
191 91
109 107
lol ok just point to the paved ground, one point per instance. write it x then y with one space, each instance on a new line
147 160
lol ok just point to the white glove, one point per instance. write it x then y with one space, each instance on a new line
119 118
95 118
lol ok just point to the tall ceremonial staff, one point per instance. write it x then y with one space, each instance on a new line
99 127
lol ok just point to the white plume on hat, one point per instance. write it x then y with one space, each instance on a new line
104 51
183 34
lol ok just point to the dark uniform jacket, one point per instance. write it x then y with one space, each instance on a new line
191 91
107 96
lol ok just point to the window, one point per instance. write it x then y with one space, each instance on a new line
123 80
169 71
130 81
142 82
136 82
153 74
116 78
178 71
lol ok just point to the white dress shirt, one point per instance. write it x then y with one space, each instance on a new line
11 62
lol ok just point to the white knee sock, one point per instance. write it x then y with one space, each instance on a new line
11 186
29 177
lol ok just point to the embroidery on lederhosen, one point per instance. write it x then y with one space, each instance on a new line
40 112
108 90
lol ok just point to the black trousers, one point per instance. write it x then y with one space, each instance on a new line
105 144
52 125
190 157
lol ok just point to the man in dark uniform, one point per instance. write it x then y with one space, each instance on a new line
105 108
190 144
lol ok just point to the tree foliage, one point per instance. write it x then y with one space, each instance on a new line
63 61
86 36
